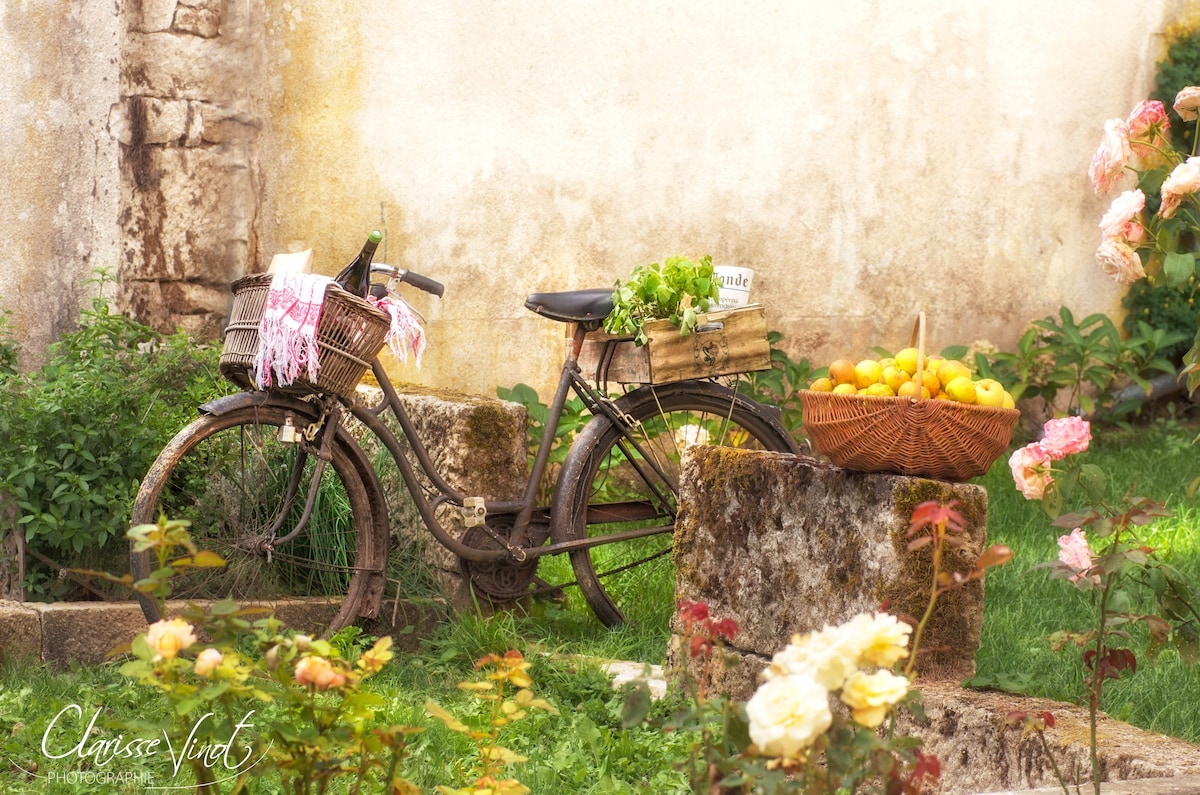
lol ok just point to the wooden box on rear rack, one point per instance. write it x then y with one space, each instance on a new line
725 342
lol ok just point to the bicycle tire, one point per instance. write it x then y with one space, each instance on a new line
630 578
224 473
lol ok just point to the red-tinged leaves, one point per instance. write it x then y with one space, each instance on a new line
693 611
1112 664
725 628
995 555
933 513
927 769
1048 719
918 543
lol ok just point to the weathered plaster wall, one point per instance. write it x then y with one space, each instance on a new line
865 158
58 175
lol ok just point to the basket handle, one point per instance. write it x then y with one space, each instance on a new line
917 340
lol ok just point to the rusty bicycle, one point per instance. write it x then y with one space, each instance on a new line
278 484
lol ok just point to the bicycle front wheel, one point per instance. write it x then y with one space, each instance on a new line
617 481
228 474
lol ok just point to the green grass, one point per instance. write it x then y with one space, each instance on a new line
583 750
1023 606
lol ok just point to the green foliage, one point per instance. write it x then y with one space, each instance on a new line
1165 308
574 417
677 290
1064 355
81 431
8 349
780 386
1180 69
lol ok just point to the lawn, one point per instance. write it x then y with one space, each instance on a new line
584 750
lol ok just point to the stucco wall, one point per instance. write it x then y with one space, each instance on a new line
58 167
866 158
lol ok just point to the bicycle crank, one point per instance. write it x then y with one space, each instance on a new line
501 580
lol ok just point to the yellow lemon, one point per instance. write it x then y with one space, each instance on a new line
1008 403
867 372
821 385
951 370
893 376
934 363
909 389
961 389
879 390
989 392
842 371
906 360
845 389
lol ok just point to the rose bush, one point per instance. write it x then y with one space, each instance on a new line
1151 230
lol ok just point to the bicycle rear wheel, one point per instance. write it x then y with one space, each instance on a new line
614 482
228 475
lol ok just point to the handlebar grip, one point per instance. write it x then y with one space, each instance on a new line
423 283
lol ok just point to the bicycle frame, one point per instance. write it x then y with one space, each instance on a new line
525 509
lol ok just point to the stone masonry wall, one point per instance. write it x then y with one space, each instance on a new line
187 121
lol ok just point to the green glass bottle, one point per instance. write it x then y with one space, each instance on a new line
355 278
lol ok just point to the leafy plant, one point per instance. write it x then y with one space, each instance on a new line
8 349
780 386
1165 308
1057 355
677 289
81 431
574 417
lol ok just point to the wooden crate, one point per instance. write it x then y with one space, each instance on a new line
725 342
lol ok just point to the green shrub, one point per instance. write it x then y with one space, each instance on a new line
8 349
82 431
1164 307
1180 69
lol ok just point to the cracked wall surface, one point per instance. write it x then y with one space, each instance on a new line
866 159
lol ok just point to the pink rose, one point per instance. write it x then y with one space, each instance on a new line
1183 181
1066 436
1146 124
1073 550
1030 467
318 671
1121 219
1120 262
1187 102
1108 164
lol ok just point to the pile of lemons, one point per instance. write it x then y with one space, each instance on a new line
941 379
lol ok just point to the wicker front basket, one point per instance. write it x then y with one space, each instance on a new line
930 438
350 333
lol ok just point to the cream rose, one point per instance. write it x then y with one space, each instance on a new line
827 657
870 696
208 661
1121 219
168 638
882 639
1108 164
1183 181
1120 262
1187 102
787 713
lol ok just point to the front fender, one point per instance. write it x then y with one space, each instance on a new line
228 403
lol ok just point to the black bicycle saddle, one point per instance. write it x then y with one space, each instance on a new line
572 306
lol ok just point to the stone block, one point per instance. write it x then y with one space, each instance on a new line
478 444
87 631
20 631
784 544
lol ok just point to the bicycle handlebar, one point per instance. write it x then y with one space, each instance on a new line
409 277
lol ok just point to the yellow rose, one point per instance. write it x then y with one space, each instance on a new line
168 638
870 696
786 714
881 639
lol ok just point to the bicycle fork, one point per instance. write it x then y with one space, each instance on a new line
314 439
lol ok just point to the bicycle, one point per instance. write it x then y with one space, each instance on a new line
280 488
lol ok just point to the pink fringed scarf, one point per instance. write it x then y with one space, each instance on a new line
287 335
405 333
